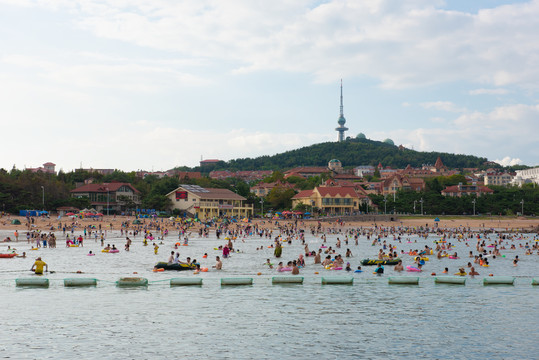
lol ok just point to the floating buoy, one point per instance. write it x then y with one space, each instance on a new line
433 274
456 280
287 280
185 281
316 272
338 280
259 273
405 280
237 281
38 282
204 269
79 282
132 281
499 280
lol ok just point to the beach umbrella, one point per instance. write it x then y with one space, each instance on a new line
70 214
98 214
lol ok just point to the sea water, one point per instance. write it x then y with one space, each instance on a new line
368 320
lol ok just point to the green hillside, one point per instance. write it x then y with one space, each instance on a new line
351 153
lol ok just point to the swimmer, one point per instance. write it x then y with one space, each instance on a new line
295 269
218 264
473 272
399 266
348 268
37 268
270 265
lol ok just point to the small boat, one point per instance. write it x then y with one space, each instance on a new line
8 255
366 262
178 267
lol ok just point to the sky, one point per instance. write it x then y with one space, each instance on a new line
155 84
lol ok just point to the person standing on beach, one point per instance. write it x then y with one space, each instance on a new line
37 268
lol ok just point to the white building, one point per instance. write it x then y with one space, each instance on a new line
500 179
364 170
527 176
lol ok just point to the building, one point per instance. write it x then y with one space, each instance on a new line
109 198
306 172
263 189
48 168
99 171
335 166
207 203
209 162
341 129
364 170
182 175
398 182
460 190
337 200
496 178
248 175
527 176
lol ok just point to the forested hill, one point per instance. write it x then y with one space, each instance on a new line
351 153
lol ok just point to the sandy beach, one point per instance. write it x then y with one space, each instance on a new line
514 224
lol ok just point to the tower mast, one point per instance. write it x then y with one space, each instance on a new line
341 129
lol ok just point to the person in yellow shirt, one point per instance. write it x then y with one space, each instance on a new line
38 266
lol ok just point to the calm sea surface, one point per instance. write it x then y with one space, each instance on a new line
368 320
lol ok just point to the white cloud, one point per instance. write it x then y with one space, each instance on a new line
508 161
443 105
163 148
400 43
505 132
488 92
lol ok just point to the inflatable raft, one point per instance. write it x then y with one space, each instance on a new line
8 255
177 267
366 262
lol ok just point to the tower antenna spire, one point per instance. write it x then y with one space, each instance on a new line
341 129
341 113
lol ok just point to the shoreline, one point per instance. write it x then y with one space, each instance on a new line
500 224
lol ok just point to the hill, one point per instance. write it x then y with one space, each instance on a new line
351 153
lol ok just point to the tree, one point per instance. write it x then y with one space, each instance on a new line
280 198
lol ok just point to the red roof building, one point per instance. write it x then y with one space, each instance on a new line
109 198
460 190
399 182
338 200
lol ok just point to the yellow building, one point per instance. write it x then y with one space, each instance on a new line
207 203
332 200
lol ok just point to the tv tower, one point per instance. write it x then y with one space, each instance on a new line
341 129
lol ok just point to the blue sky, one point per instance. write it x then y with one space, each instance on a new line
157 84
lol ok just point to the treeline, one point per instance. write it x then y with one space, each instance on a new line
504 201
351 153
23 189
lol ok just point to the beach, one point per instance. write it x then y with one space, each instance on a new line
510 224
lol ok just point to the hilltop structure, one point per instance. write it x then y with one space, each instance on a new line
341 129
